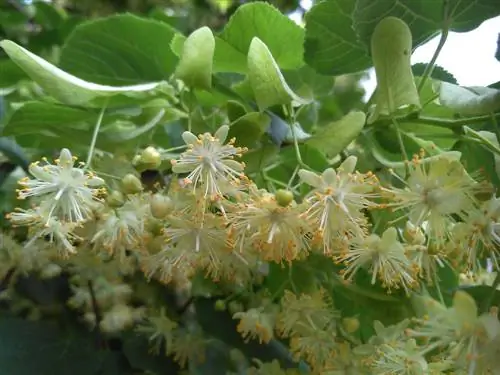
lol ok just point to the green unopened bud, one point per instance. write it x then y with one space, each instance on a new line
116 199
284 197
220 305
150 158
131 184
160 205
351 325
155 226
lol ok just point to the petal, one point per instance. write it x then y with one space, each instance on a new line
310 178
349 164
183 167
234 165
221 133
389 238
330 177
41 173
95 181
189 138
65 158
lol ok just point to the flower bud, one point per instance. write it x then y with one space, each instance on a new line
284 197
155 227
131 184
116 199
220 305
150 158
351 325
160 206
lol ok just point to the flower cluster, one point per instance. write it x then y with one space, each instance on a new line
214 220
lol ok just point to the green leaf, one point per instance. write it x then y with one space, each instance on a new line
469 100
51 352
425 18
136 348
249 128
10 74
257 159
195 65
120 50
280 34
334 137
298 276
438 72
65 87
311 156
338 32
391 51
266 80
448 282
41 118
476 158
331 44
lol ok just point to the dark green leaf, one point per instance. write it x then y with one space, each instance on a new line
120 50
331 45
438 72
51 352
425 18
136 348
333 138
338 32
280 34
249 128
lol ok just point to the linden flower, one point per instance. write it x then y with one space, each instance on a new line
276 232
161 330
123 228
41 226
336 203
209 161
459 330
478 236
255 324
385 259
399 357
68 192
304 313
434 192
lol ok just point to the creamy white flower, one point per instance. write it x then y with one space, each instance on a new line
209 161
66 191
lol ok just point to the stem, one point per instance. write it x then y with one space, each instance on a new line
401 145
291 116
430 67
94 136
444 35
